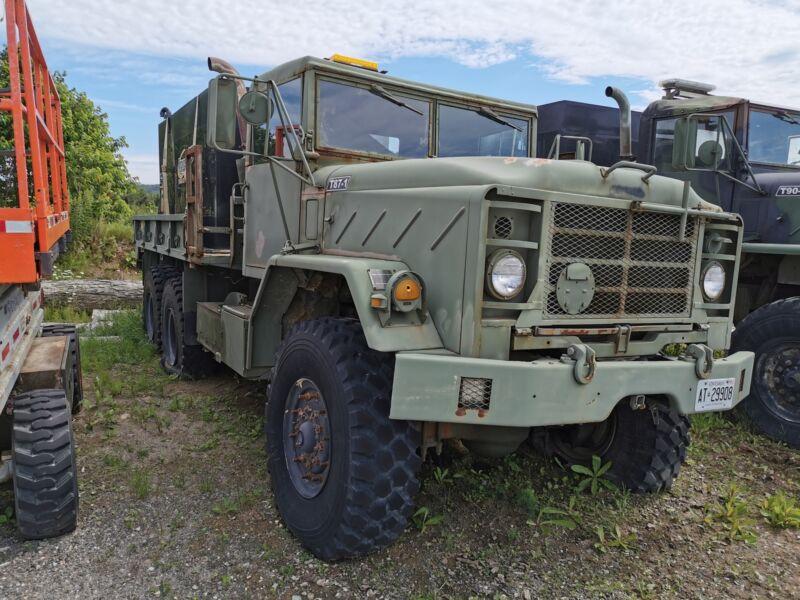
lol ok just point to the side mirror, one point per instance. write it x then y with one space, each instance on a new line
255 107
684 143
221 125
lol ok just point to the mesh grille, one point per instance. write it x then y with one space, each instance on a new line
475 393
640 266
502 228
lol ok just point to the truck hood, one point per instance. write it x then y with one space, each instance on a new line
568 176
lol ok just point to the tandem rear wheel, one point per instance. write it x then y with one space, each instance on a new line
343 473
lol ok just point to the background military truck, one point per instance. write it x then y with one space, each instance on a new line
467 291
40 372
745 157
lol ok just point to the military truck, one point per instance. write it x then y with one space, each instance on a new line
745 157
392 258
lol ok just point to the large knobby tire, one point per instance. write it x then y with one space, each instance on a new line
773 406
645 446
70 331
177 357
153 283
45 471
343 473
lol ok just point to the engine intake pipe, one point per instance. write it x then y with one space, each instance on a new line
625 144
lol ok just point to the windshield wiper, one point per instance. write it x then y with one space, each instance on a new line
382 93
493 116
784 116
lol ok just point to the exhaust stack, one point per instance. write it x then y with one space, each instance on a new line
625 146
219 65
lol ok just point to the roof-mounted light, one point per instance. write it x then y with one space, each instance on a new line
354 62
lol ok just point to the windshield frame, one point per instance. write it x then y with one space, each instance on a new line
434 99
770 109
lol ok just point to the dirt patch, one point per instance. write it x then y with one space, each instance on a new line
175 502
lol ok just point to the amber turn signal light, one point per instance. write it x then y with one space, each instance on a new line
407 290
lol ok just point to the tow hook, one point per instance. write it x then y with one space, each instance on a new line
703 359
584 362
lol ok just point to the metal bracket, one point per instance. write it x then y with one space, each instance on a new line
703 359
585 362
623 338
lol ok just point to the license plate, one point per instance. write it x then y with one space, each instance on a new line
714 394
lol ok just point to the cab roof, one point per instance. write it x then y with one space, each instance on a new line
298 66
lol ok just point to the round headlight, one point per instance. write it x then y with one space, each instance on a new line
505 274
713 281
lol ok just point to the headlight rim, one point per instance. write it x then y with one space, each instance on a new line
495 258
706 268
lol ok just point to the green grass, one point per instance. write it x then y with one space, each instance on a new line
66 314
132 347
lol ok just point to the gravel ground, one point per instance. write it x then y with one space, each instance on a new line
175 502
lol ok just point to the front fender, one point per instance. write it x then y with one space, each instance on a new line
391 338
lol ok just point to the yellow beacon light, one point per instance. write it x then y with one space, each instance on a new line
355 62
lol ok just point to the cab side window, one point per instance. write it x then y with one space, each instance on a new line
271 138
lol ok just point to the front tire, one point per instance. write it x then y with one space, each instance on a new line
773 406
45 471
343 473
646 447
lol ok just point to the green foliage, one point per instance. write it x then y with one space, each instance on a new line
732 513
7 515
594 476
615 539
65 314
423 518
568 518
781 511
140 483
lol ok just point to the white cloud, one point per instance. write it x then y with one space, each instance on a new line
746 47
143 166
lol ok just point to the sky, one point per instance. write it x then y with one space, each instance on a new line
133 57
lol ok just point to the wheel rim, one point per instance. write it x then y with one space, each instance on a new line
778 379
306 438
170 341
149 317
579 443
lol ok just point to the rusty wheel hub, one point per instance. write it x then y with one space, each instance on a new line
307 438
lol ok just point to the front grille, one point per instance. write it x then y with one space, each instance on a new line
640 266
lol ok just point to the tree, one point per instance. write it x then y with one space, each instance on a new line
98 177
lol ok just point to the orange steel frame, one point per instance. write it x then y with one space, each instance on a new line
35 108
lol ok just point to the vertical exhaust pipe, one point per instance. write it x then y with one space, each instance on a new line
625 145
219 65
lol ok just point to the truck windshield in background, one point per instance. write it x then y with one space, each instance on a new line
774 137
373 120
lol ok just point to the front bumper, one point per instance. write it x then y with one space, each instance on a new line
427 387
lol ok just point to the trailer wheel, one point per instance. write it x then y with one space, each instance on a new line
646 447
45 472
177 357
75 350
773 406
343 473
152 293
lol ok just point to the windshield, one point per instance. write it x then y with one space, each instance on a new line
774 137
358 119
465 132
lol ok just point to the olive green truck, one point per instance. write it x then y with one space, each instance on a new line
468 291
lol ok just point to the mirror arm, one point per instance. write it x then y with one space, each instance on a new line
284 117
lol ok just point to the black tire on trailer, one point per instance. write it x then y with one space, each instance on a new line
177 357
646 447
343 473
45 471
75 350
153 283
773 406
